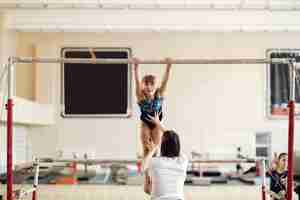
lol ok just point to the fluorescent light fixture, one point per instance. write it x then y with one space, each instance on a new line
114 6
8 5
189 5
281 6
142 6
27 29
226 6
255 4
170 4
83 28
85 5
293 28
30 5
59 5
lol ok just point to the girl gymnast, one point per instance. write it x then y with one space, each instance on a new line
150 99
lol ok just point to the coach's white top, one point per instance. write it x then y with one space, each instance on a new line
167 176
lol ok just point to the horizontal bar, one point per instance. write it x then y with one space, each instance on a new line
225 161
133 161
126 61
90 161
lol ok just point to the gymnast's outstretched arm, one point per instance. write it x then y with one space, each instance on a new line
165 78
138 87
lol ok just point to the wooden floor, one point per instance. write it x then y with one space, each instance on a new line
100 192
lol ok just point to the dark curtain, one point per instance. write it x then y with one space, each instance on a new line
280 80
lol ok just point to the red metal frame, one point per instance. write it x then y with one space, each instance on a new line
291 149
263 192
34 195
9 107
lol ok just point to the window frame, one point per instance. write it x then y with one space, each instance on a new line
268 91
129 79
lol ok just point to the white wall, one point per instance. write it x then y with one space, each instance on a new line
25 76
20 142
8 41
214 107
21 146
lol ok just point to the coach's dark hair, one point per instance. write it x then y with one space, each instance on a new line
281 155
170 145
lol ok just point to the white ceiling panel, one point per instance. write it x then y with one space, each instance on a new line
154 4
155 15
164 20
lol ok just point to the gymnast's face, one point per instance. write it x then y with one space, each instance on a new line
149 88
149 85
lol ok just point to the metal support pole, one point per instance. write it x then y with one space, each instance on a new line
263 178
291 130
36 179
9 107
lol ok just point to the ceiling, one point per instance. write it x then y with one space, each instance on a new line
151 15
154 4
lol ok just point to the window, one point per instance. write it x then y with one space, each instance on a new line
279 84
96 90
